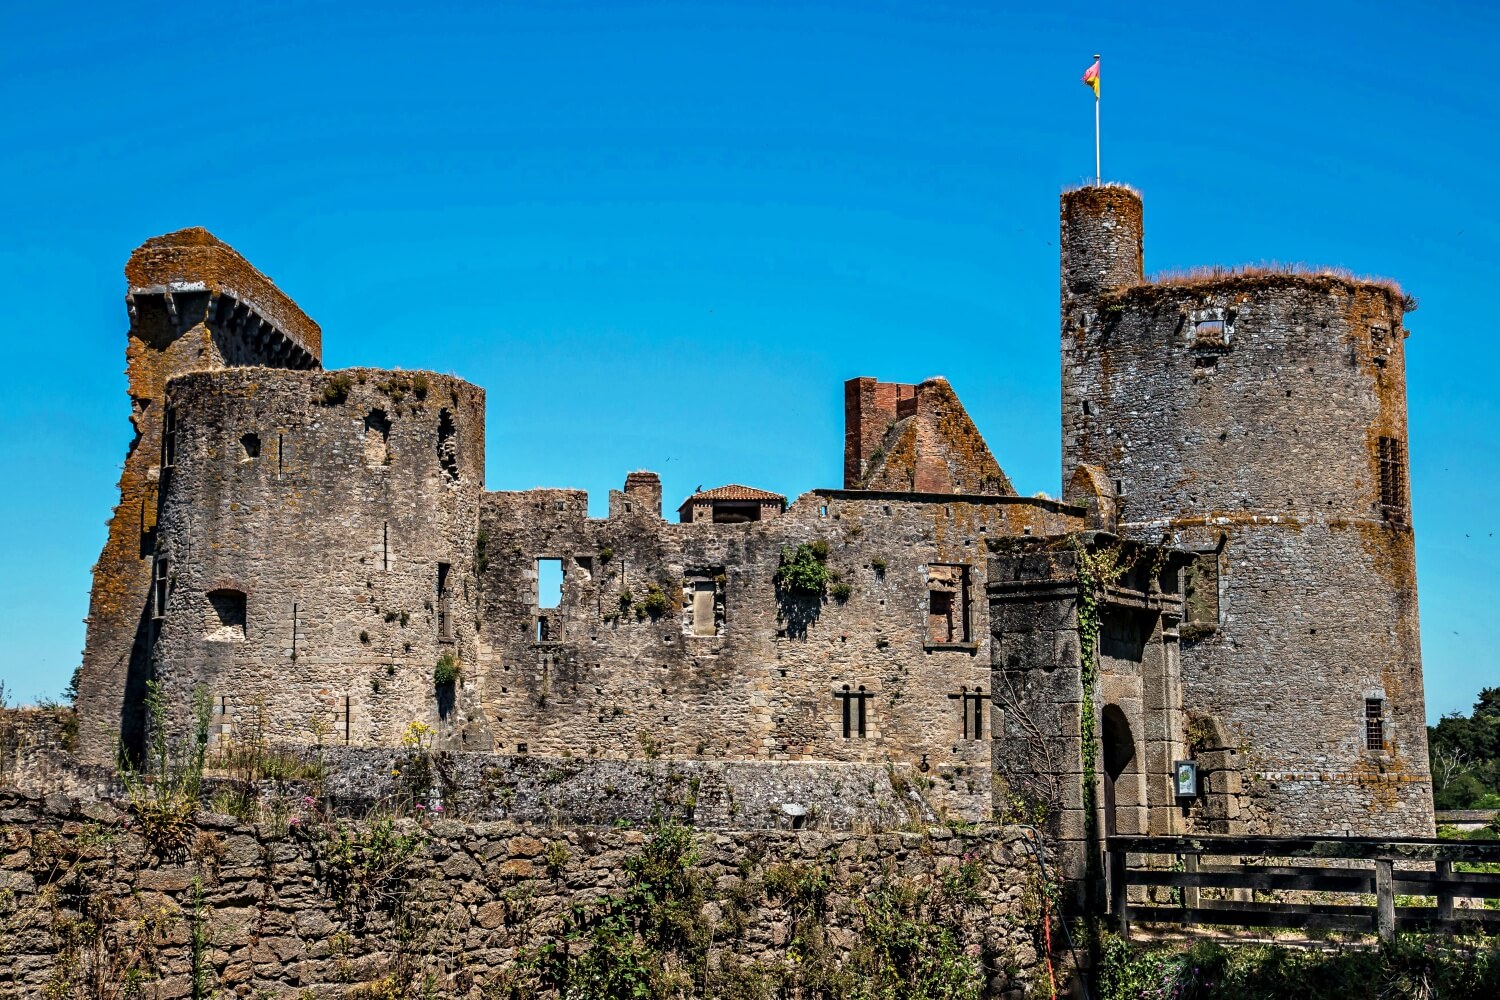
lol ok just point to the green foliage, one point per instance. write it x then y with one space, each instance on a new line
841 592
804 570
1410 969
363 867
420 385
482 551
447 671
556 858
336 389
164 796
1464 752
878 565
656 602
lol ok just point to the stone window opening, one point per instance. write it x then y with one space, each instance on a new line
385 545
341 718
703 603
1393 497
947 605
249 446
280 454
447 445
854 711
226 615
169 439
1375 724
549 583
973 703
222 730
377 439
1380 342
444 602
161 583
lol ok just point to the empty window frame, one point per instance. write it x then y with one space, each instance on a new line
161 583
225 619
169 439
703 603
1375 724
549 583
444 602
1393 496
447 445
249 446
1200 590
947 604
377 439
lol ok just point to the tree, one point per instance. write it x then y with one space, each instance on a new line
1465 755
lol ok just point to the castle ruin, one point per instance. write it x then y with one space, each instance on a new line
1229 578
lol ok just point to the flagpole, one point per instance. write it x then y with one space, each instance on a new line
1097 175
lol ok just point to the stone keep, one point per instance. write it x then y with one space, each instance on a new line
1258 419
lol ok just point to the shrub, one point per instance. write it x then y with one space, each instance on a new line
804 570
336 389
841 592
656 603
446 673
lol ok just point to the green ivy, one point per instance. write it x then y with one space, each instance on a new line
804 570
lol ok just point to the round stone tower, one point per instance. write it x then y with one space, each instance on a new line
1259 419
316 553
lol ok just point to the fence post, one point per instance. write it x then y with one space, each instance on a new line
1385 901
1190 893
1445 891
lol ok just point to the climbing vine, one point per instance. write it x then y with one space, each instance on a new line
1097 571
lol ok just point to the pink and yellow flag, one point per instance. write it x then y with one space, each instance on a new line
1091 78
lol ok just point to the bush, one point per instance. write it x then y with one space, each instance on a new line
336 389
841 592
804 570
447 672
656 603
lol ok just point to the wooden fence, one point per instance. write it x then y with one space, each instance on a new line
1308 883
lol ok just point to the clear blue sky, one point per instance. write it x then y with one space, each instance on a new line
629 221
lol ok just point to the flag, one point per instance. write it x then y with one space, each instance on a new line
1091 78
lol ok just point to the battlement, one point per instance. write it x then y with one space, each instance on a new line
194 261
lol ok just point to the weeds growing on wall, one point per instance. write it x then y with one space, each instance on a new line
1412 968
652 940
164 797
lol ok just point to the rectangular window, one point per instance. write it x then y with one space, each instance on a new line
549 583
1393 499
161 582
1374 724
973 703
169 438
444 603
947 604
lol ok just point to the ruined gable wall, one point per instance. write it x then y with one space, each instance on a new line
607 683
916 438
333 533
1249 410
203 328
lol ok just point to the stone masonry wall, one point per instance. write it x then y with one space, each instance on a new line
606 677
271 911
1249 417
223 312
319 534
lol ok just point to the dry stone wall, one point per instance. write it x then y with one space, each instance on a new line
470 909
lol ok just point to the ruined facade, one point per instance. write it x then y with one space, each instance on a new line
314 553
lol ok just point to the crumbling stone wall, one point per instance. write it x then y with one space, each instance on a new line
315 580
270 911
194 304
1260 420
608 674
915 438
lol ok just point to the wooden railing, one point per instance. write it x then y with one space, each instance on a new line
1308 883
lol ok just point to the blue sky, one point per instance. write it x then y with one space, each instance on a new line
628 221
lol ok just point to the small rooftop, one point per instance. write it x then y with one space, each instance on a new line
732 504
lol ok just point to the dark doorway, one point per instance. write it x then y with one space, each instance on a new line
1119 772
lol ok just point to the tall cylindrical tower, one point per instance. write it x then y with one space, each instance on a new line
1259 418
317 553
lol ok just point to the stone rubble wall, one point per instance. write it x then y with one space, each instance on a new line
250 911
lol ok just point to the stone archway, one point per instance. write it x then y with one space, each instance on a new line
1124 803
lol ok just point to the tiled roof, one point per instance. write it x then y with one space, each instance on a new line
735 492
